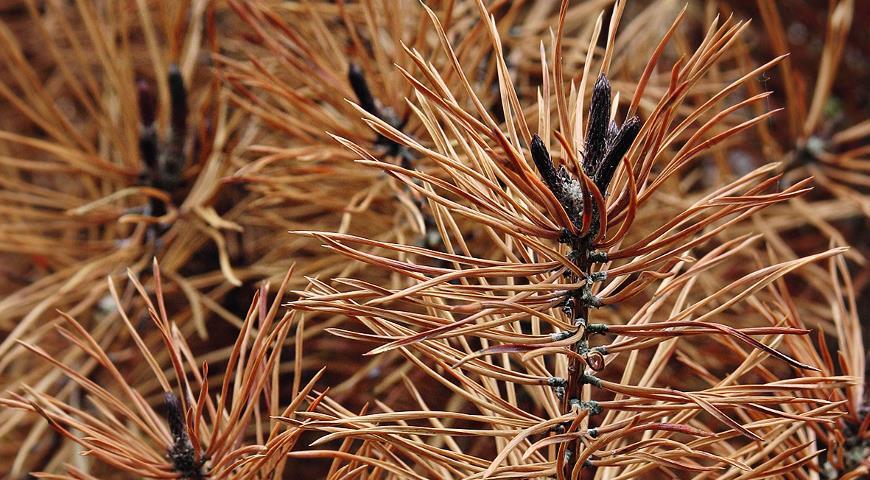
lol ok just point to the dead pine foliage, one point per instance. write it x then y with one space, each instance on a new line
589 239
299 70
194 434
115 150
509 325
820 141
114 158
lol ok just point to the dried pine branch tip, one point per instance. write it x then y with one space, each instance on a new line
560 240
454 312
197 435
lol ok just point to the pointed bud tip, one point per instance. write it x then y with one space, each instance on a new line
147 104
177 89
602 82
174 415
170 400
540 154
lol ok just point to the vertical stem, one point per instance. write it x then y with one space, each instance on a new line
579 318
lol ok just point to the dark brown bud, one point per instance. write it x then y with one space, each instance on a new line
599 123
542 160
184 459
146 102
178 99
566 189
618 148
174 415
361 89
